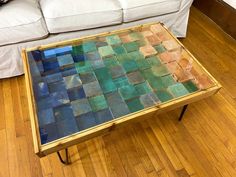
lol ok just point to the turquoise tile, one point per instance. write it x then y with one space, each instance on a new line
113 40
89 46
178 90
109 62
107 86
136 55
129 65
97 64
82 67
65 60
121 82
143 88
160 70
190 86
154 60
136 36
127 92
156 83
168 80
103 74
160 48
119 49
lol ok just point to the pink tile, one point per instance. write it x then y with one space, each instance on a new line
176 54
166 57
164 36
153 40
147 33
171 44
203 82
147 50
173 66
157 28
185 64
182 76
125 38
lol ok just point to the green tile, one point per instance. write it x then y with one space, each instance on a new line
154 60
89 46
136 55
102 74
164 95
76 50
143 88
123 57
156 83
128 92
143 64
160 48
134 105
136 36
131 46
109 62
113 40
178 90
82 67
106 51
121 82
168 80
119 49
98 103
107 86
147 74
129 65
141 43
160 70
190 86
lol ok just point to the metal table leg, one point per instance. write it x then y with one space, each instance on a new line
66 161
182 112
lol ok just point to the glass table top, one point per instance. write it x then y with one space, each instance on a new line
89 83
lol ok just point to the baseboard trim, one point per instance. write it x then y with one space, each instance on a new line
220 12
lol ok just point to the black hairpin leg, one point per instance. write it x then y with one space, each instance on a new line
182 112
66 161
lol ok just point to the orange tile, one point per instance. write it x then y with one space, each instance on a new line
147 50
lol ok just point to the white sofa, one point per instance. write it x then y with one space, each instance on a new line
29 23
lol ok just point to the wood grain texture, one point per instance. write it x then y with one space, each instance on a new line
202 145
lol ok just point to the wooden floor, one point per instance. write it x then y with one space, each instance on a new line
203 144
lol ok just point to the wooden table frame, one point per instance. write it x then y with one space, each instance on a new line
65 142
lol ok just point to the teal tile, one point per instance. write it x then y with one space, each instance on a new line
119 49
65 60
97 64
89 46
168 80
129 65
106 51
82 67
103 74
121 82
178 90
160 48
190 86
143 88
143 64
109 62
131 46
136 55
156 83
77 50
160 70
107 86
80 107
154 60
134 105
98 103
123 57
135 77
164 95
113 40
128 92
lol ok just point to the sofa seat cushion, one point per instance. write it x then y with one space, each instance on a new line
21 20
71 15
139 9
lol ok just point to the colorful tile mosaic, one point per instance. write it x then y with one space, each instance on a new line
84 85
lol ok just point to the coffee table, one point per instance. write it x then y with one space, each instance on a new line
82 88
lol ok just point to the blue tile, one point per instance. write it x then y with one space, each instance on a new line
48 133
50 65
49 53
69 72
46 117
62 50
103 116
37 55
54 77
57 86
63 112
76 93
59 98
65 60
72 81
86 121
66 127
41 89
44 103
79 57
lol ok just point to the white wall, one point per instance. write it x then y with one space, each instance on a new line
231 3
